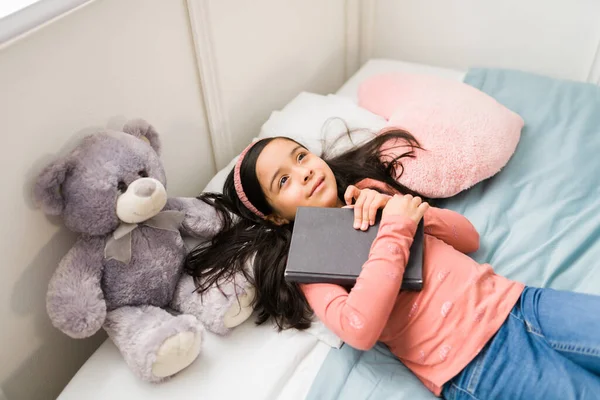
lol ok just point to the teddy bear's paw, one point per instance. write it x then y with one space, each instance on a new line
226 307
220 308
79 315
240 310
176 353
155 343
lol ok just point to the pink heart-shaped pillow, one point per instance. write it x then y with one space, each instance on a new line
467 135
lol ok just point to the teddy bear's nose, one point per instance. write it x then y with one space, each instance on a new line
145 188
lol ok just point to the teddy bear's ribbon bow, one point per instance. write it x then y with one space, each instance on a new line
118 245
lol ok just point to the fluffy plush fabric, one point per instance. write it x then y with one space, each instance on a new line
198 217
139 332
83 187
75 302
93 289
219 301
467 135
152 274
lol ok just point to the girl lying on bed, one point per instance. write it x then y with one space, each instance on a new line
468 334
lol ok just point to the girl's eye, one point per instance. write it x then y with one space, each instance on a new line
283 180
301 156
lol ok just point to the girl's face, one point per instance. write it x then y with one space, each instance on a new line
290 176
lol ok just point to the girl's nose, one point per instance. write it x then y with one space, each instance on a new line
308 174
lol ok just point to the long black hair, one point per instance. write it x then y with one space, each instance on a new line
258 248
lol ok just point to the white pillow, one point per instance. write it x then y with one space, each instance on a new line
315 121
216 183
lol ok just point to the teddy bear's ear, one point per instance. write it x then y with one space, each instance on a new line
47 191
143 130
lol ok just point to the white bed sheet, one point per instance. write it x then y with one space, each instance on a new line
253 362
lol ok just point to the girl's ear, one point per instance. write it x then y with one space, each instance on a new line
277 220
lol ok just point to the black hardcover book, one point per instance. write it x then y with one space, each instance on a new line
326 248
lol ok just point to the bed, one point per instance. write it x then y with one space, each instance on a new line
253 362
542 220
538 219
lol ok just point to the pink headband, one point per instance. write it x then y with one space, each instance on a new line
237 182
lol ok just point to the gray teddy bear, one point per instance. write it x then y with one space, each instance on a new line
124 273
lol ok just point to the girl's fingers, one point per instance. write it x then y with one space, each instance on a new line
367 203
378 203
358 211
352 192
366 214
373 212
422 209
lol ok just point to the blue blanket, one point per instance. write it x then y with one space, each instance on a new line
539 218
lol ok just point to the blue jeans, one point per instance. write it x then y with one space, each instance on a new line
548 348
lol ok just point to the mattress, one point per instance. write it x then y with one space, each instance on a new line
538 218
253 362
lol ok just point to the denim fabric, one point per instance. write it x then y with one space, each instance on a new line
548 348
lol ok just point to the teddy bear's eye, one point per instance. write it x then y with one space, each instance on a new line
143 173
122 187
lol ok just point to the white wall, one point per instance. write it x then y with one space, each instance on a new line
558 38
109 60
264 52
208 73
173 62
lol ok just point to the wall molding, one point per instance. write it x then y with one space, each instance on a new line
352 37
594 73
218 122
365 30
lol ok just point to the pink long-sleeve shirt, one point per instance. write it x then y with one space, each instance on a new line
435 332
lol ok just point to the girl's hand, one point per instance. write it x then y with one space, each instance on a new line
367 203
407 205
